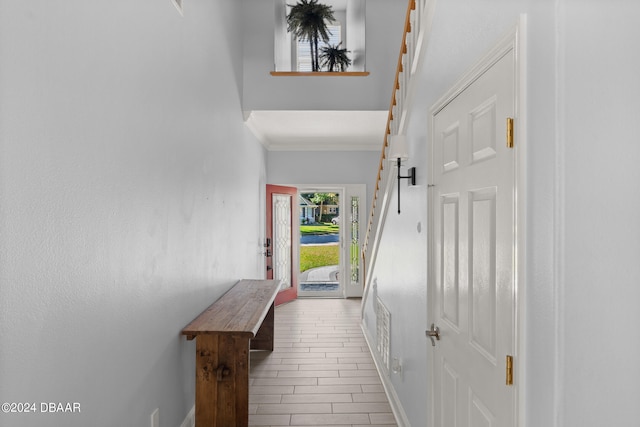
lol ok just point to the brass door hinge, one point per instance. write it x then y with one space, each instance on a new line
509 370
509 132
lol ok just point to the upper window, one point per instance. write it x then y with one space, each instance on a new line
303 48
346 34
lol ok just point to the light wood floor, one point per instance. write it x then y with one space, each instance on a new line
320 373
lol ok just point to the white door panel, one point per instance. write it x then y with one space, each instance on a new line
473 225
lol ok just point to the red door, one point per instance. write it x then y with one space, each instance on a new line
282 258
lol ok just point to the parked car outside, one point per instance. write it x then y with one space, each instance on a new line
335 220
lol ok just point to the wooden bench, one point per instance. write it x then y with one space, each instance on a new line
242 319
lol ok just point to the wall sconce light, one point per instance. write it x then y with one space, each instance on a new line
399 153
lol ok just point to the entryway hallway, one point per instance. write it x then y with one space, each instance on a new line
320 373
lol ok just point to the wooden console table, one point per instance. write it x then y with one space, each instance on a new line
242 319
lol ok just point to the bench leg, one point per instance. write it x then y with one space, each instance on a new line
222 381
264 338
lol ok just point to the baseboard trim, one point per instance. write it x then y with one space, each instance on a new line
394 400
190 419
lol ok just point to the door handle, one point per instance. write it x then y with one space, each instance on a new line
432 333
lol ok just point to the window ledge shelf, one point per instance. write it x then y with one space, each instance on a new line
320 73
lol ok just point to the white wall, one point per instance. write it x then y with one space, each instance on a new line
384 20
582 204
356 34
324 167
121 214
599 97
400 284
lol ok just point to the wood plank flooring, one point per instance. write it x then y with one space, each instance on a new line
320 373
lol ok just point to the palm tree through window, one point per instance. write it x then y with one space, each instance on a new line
303 50
329 31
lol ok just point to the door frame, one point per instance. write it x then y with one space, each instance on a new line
513 40
345 190
340 190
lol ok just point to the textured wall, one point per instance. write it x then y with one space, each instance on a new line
324 167
130 198
599 95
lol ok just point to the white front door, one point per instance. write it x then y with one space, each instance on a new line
473 286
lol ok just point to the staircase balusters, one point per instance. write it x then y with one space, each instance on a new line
395 124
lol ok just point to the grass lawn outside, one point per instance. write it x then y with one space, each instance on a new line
324 228
312 256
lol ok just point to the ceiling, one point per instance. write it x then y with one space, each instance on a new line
319 130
